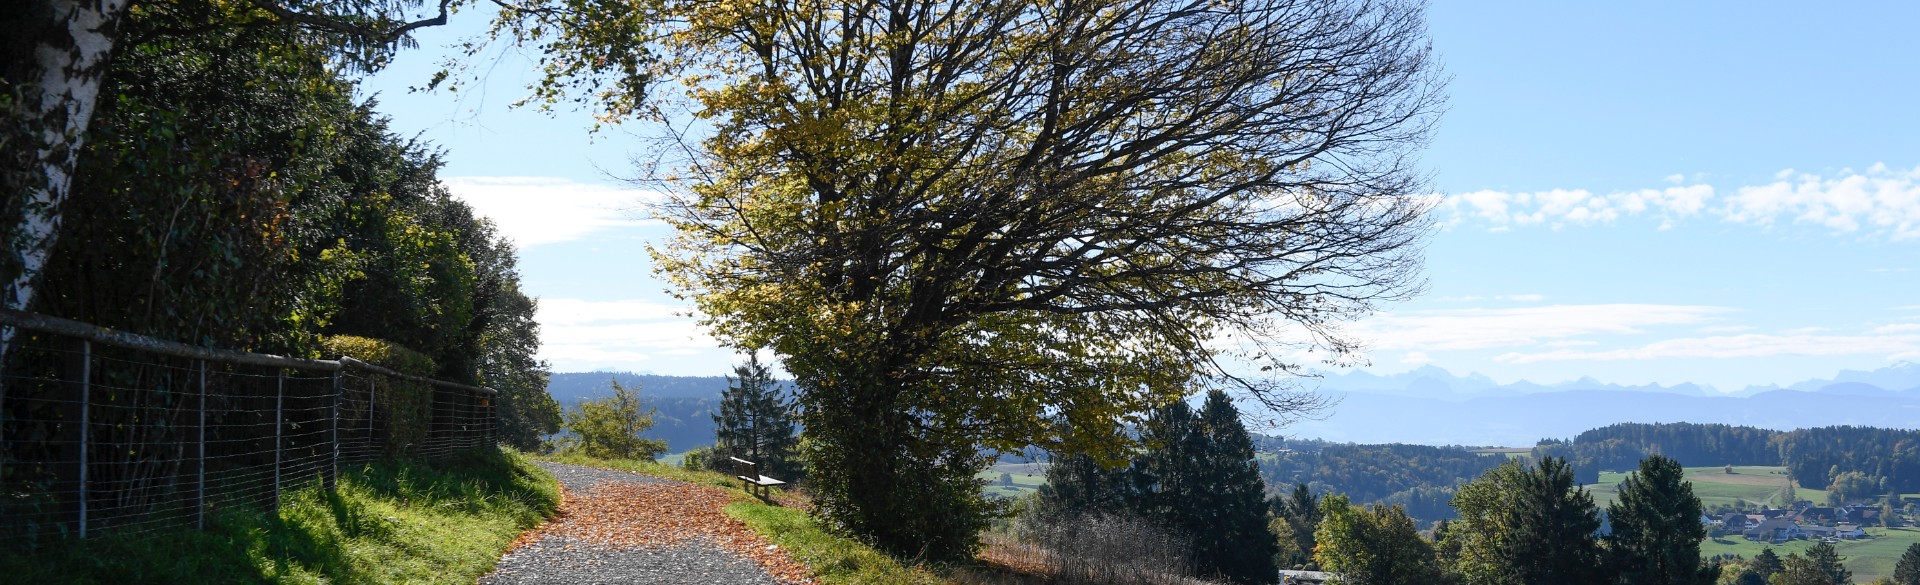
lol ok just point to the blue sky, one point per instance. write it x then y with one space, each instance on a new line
1722 193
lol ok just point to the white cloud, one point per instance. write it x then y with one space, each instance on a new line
579 335
1898 328
1467 329
1735 346
1560 207
1415 358
544 210
1881 201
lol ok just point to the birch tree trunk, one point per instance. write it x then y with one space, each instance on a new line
54 70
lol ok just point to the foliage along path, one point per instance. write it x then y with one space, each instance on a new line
621 527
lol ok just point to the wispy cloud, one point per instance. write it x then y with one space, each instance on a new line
544 210
1560 207
1879 201
579 335
1469 329
1523 298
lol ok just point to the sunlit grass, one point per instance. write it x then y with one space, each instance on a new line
386 523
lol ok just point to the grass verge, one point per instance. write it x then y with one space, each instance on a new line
386 523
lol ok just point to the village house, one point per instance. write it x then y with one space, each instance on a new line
1776 530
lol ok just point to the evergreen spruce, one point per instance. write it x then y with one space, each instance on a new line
1197 477
1554 536
1656 527
1821 566
1078 484
755 423
1229 519
1907 571
1827 561
1767 563
1166 472
1301 513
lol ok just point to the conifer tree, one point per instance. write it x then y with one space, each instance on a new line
1821 566
1166 471
1907 571
1301 511
1078 484
1522 525
1656 527
755 422
1555 525
1197 476
1767 563
1228 519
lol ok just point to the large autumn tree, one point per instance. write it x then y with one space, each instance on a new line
960 222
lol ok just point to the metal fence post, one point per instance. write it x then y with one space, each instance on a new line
86 387
333 430
200 469
372 446
279 396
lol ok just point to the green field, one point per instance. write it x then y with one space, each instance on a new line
1027 477
1869 558
1752 485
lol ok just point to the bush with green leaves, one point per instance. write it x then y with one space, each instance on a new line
610 428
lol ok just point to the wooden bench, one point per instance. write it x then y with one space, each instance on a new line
759 485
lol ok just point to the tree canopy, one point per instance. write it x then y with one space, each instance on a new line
959 222
1378 545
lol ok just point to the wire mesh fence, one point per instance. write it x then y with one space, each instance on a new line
106 431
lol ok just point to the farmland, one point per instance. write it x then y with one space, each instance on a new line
1027 477
1746 486
1869 558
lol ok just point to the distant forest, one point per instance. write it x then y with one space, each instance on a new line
1420 477
1423 478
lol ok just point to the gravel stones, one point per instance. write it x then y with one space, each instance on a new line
562 561
620 527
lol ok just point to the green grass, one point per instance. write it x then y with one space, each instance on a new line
386 523
1027 477
1869 558
834 559
1714 486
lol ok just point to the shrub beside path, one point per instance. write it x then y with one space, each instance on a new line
621 527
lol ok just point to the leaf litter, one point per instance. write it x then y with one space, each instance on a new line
656 515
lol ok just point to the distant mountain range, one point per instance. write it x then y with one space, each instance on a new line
1432 406
1435 382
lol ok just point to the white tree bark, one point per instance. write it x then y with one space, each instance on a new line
71 58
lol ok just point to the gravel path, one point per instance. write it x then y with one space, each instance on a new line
621 527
